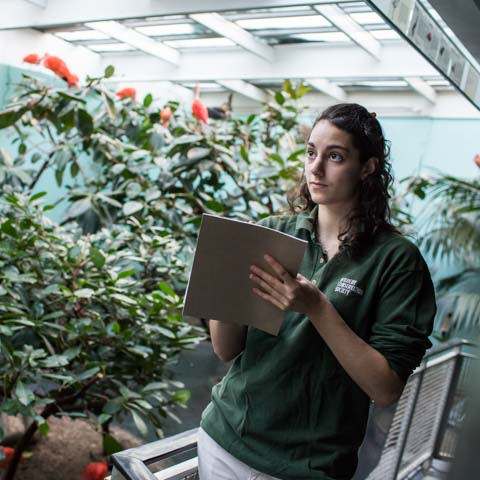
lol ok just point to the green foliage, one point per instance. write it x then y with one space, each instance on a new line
451 226
90 310
79 326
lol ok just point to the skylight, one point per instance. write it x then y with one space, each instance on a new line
367 18
201 43
172 29
438 83
78 35
385 34
110 47
323 37
301 21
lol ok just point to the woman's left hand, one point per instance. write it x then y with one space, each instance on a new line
285 292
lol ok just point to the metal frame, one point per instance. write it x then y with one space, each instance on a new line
132 463
393 464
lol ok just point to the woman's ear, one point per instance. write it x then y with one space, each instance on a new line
369 167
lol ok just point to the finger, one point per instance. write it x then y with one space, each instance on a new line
278 295
270 279
302 279
279 269
269 298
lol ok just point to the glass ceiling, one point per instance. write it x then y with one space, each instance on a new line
272 26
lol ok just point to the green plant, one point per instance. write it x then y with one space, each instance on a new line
451 231
89 324
90 310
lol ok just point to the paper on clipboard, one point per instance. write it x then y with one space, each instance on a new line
220 288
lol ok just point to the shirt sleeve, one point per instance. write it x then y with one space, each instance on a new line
404 318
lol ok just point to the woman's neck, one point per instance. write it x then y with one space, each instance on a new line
330 221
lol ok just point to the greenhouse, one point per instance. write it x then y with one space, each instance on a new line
239 240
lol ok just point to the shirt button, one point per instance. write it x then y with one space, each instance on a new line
314 282
322 260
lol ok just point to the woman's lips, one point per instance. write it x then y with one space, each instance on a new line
318 185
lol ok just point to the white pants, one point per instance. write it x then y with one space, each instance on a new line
215 463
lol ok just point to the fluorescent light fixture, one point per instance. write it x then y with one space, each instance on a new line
110 47
323 37
303 21
367 18
201 43
77 35
385 34
171 29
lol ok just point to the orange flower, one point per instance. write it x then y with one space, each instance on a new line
95 471
59 67
72 80
32 58
128 92
199 109
165 115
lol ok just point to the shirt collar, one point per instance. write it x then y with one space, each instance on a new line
306 221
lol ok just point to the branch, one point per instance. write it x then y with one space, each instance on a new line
49 410
39 173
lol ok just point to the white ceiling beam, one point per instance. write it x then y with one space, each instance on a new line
244 88
328 88
80 60
22 14
423 88
38 3
352 29
295 61
135 39
231 30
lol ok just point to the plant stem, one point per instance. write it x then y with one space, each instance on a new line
19 448
49 410
39 173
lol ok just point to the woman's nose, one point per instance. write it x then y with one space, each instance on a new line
318 165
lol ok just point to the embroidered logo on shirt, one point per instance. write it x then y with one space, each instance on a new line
348 287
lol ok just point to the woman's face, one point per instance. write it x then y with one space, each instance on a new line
332 166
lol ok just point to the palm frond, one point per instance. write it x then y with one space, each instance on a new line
450 223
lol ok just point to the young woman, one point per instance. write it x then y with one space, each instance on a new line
356 323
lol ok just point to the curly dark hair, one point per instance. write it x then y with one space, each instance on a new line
372 212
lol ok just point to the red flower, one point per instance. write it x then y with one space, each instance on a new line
199 109
128 92
72 80
8 452
165 115
95 471
59 67
476 159
32 58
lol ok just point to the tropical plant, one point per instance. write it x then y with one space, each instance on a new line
450 231
90 310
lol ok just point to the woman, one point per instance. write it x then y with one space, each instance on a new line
356 322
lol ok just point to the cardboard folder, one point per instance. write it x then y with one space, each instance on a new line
219 286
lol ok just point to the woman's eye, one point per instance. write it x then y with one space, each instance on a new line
336 157
310 154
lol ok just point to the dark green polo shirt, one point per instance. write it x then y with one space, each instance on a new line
286 407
